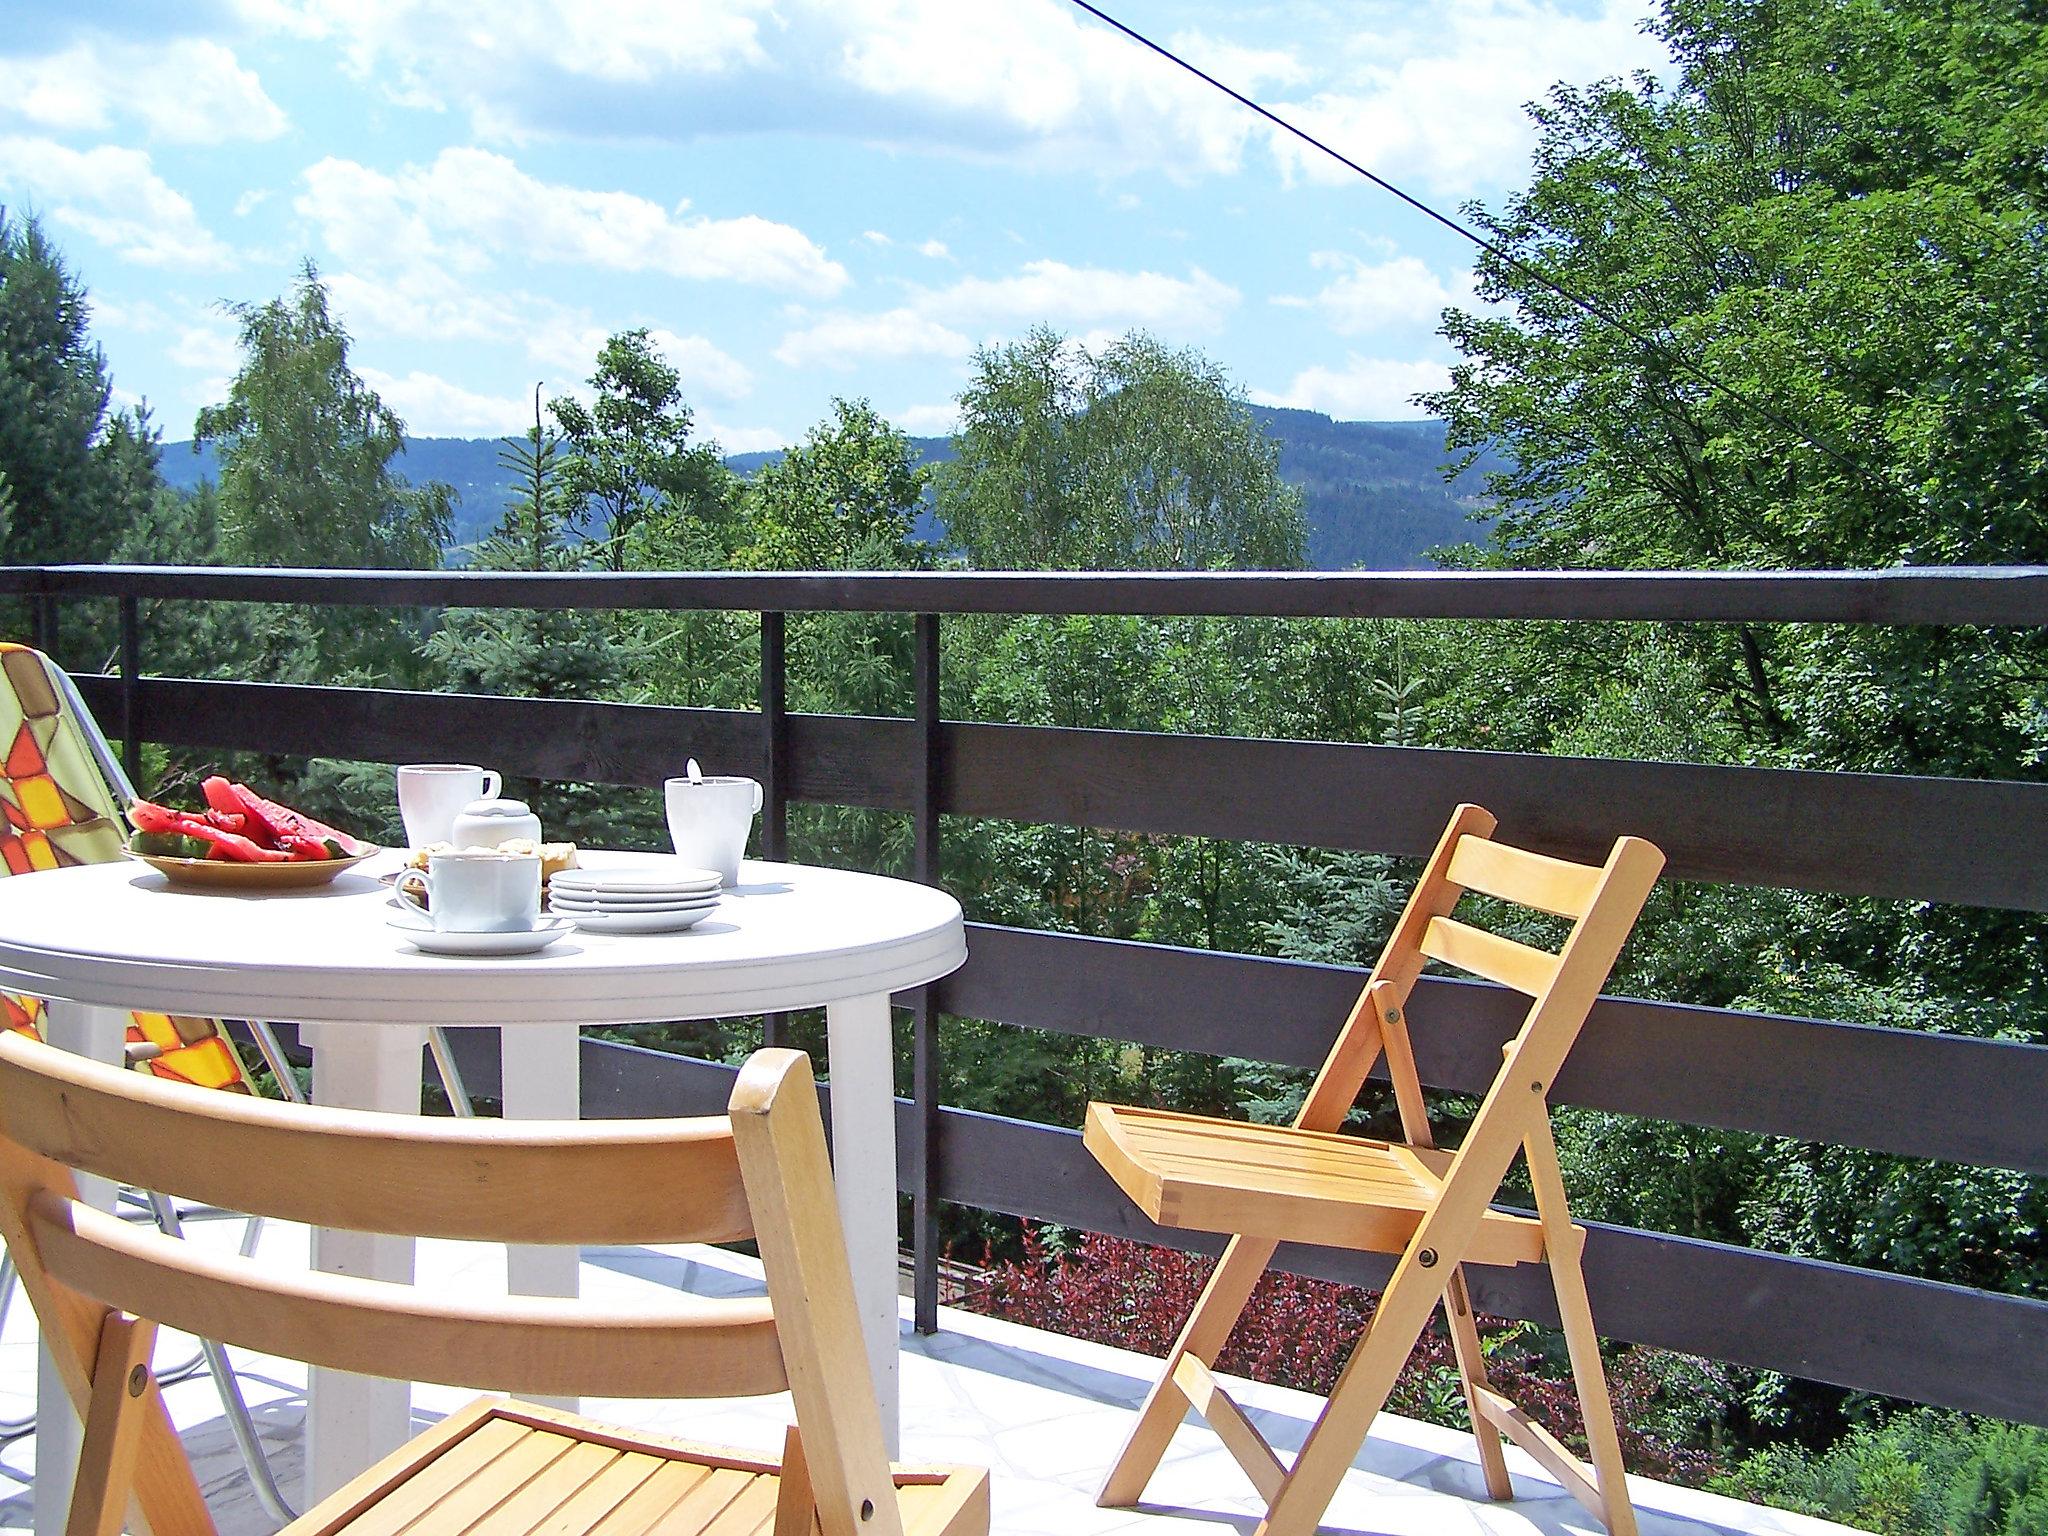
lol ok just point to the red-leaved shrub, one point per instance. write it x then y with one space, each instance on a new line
1298 1333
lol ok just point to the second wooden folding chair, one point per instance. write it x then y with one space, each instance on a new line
1309 1183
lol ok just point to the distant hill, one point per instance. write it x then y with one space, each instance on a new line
1373 491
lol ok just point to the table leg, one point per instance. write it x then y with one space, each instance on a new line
864 1169
352 1421
99 1033
543 1080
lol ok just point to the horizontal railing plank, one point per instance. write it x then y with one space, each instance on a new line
1988 595
1945 1096
1917 1339
633 744
1851 833
1855 833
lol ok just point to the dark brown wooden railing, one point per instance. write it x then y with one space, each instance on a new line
1926 1095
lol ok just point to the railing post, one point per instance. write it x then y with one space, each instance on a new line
42 617
924 1070
774 770
131 675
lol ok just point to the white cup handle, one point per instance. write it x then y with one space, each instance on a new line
426 886
757 799
492 784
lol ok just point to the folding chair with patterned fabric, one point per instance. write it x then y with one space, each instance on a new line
62 799
102 1287
58 807
1309 1183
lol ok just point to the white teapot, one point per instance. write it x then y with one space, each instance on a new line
493 823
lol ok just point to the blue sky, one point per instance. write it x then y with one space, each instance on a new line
800 198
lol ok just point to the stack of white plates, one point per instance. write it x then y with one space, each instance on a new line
651 898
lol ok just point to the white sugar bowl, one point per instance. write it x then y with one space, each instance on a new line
493 823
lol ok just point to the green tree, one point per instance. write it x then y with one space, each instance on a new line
541 653
306 449
632 463
1825 210
73 476
1134 457
536 653
853 483
307 478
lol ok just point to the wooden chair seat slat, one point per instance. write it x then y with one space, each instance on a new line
581 1511
525 1511
1371 1202
650 1506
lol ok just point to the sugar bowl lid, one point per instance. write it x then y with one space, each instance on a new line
497 810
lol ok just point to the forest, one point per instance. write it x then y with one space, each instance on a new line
1818 338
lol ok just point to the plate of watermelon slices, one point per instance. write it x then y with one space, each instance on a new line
240 841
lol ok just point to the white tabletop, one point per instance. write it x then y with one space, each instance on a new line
788 936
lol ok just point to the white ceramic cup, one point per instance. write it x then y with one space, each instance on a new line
709 819
432 795
470 892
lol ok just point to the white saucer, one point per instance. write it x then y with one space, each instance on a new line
673 920
652 879
422 934
583 901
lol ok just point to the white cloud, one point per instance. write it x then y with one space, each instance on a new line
1060 294
1398 293
1100 302
425 303
212 349
1442 106
941 420
1431 93
1029 79
744 439
114 196
471 206
938 250
1239 67
875 237
706 369
431 406
138 315
184 90
1365 389
841 341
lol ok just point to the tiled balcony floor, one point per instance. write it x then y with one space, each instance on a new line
1044 1412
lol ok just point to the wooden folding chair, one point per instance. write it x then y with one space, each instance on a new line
101 1286
1271 1184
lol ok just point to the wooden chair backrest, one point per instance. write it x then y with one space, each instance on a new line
1602 901
671 1181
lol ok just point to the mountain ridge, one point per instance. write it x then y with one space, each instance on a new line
1373 492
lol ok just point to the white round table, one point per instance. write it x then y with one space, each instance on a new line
100 940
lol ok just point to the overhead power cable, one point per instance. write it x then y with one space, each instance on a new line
1501 253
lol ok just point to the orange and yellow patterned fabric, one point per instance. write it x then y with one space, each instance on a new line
56 810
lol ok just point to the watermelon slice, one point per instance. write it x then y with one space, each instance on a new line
149 817
281 826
